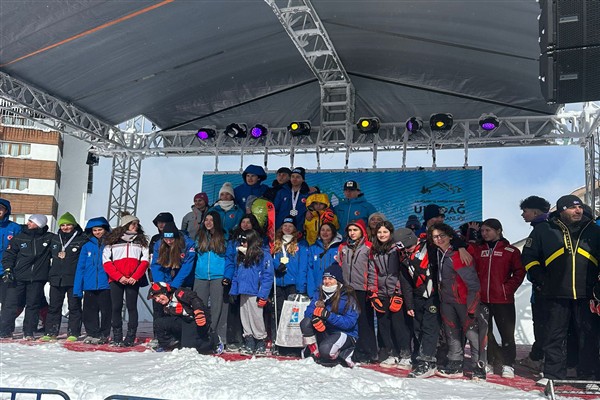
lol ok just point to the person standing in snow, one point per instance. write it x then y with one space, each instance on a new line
228 210
253 176
8 230
191 221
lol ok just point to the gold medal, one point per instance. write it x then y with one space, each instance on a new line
284 260
62 254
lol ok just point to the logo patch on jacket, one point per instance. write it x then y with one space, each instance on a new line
485 253
498 253
528 242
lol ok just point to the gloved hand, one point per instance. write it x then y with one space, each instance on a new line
321 312
281 270
318 324
199 317
327 216
396 303
226 282
376 303
8 276
261 302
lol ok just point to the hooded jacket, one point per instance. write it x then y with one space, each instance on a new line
312 227
244 190
352 209
500 271
294 271
62 271
318 261
175 277
563 260
90 274
8 230
254 280
28 254
354 260
345 320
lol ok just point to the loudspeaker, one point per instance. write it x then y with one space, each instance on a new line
570 50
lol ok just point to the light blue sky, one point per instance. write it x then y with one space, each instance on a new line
509 175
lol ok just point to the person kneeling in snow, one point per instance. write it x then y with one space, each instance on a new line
186 320
330 324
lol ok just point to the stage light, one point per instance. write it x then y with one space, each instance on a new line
236 130
441 122
258 130
299 128
206 133
368 125
414 124
489 122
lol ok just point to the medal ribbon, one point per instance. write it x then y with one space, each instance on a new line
65 245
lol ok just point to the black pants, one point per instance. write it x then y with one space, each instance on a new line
234 322
367 342
117 291
185 330
54 318
18 293
97 313
504 315
331 345
426 326
539 315
394 330
560 313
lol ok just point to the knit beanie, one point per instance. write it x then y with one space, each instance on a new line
67 219
202 196
170 231
334 271
300 171
127 219
284 170
227 188
432 211
405 237
39 219
413 222
567 201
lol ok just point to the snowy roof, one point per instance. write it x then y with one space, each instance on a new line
185 64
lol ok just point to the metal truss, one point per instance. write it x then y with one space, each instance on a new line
590 123
124 186
58 114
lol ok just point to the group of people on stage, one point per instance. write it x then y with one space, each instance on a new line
220 279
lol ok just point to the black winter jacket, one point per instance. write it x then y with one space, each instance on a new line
28 254
62 271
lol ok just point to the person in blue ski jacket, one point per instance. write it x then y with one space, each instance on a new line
253 176
291 199
330 324
228 210
354 206
252 281
8 229
91 283
320 256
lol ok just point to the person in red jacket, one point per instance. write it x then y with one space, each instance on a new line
125 259
500 274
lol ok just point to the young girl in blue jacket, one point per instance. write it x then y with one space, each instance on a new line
252 281
91 283
320 256
330 324
210 272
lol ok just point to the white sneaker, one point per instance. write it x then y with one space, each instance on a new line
389 362
508 372
405 363
542 382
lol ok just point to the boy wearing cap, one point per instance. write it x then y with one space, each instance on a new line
65 247
291 199
253 185
561 256
192 220
354 205
26 264
282 177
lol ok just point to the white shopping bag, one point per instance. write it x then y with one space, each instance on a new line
292 312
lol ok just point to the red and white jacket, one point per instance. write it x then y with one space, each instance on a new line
500 271
125 259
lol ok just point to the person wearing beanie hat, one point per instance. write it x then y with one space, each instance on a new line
230 213
91 283
560 258
291 199
8 230
159 221
330 324
192 220
125 259
253 177
26 262
282 178
354 205
374 219
413 223
535 210
65 247
184 321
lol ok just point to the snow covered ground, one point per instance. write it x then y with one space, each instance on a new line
185 374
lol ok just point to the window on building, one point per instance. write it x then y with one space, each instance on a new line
14 183
15 149
18 218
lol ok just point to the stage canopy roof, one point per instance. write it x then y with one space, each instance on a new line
186 64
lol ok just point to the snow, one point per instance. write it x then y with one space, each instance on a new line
184 374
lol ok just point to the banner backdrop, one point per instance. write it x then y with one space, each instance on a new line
395 193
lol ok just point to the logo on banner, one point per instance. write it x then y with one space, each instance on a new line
442 185
295 317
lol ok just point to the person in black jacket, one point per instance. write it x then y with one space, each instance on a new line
186 319
561 257
65 248
26 264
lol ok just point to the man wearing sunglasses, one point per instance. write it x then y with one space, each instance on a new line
561 256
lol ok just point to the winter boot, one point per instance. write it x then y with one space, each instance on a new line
423 369
130 338
453 369
261 348
117 339
249 345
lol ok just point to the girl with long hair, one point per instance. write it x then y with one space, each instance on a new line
320 256
210 272
125 260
